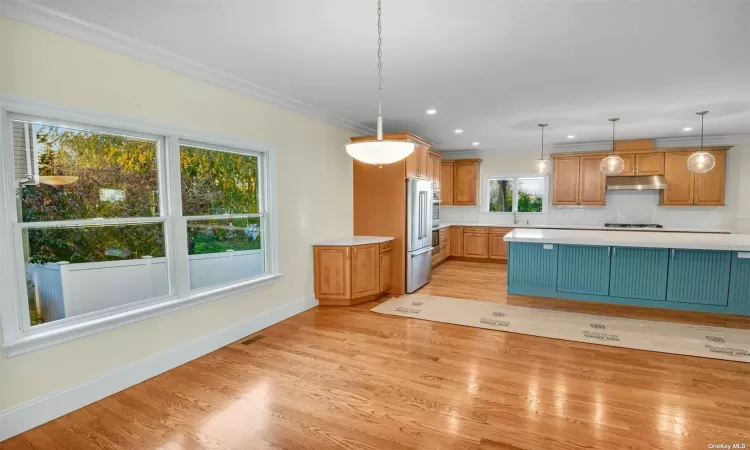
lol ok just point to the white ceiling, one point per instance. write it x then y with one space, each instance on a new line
494 68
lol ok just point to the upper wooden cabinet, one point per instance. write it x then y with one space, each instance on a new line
465 175
680 181
416 163
593 183
434 170
446 182
566 179
685 188
710 187
649 163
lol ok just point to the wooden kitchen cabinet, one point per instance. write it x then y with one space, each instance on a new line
385 270
351 274
680 181
710 187
593 183
434 170
446 182
457 241
628 166
498 248
465 175
577 180
649 163
566 180
416 163
476 245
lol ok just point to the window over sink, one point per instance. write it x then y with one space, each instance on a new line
516 194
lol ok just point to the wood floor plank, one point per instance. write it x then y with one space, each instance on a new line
347 378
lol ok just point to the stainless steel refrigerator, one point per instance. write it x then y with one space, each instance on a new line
419 236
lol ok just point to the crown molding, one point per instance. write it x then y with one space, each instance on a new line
682 141
55 21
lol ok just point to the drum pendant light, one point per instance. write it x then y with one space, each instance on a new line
380 152
542 166
700 161
612 165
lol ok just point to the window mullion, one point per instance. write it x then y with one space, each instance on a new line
179 269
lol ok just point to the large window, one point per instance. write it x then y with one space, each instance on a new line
220 200
110 224
523 195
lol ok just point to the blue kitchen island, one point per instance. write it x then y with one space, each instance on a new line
694 272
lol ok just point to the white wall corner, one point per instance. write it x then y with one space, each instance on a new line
41 410
55 21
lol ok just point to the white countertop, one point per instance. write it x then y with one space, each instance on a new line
586 227
354 240
734 242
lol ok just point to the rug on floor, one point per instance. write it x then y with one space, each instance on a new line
667 337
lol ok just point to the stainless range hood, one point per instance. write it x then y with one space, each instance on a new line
640 183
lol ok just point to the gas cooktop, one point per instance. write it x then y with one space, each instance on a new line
632 225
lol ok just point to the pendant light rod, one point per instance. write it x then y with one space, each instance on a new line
380 72
542 125
702 114
613 120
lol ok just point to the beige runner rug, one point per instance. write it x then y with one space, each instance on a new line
666 337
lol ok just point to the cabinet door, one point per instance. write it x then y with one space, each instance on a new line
739 285
332 273
385 270
446 182
710 186
680 181
532 266
476 245
416 163
649 164
583 269
436 172
639 273
629 161
365 270
699 276
498 247
565 180
456 239
465 182
593 183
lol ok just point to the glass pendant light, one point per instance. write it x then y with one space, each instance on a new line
612 165
700 161
380 152
542 166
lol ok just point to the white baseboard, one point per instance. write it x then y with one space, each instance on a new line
25 417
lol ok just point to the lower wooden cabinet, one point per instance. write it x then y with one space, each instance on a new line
498 247
347 275
457 241
476 245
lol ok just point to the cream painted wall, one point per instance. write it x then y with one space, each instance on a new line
624 207
314 190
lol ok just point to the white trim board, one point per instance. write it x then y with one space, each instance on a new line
32 414
55 21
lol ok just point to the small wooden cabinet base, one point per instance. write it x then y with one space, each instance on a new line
348 275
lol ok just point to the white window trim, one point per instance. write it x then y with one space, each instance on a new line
486 194
16 339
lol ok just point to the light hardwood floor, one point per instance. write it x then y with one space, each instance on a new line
343 377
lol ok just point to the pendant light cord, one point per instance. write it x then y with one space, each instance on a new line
613 120
702 114
380 72
542 125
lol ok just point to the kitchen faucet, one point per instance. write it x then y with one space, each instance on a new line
515 219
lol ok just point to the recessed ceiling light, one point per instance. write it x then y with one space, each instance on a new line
459 131
687 129
431 112
571 136
475 144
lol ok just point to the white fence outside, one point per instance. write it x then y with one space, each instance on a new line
66 290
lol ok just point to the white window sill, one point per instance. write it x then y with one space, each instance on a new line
67 332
